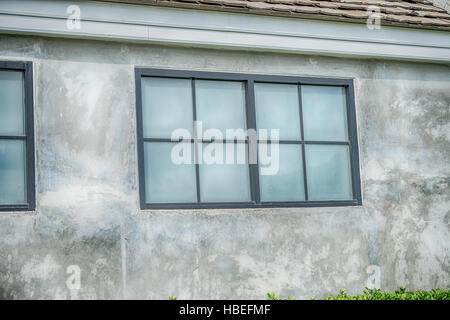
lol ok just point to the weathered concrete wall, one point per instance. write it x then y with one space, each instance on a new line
87 191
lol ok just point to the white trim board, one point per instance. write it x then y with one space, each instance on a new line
111 21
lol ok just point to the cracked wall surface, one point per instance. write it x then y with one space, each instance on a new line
87 188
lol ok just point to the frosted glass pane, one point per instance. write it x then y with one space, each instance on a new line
227 182
166 181
287 184
11 103
328 172
12 172
220 104
324 113
277 107
166 106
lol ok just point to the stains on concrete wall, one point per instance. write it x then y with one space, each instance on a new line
87 193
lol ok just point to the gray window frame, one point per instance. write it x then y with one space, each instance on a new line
27 69
249 80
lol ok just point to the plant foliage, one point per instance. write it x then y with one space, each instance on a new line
400 294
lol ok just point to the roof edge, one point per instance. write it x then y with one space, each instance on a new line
222 30
189 5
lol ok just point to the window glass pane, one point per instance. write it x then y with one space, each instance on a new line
324 113
227 182
287 183
328 172
12 172
220 104
11 103
277 107
165 181
166 106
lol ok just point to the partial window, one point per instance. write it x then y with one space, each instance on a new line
212 140
16 137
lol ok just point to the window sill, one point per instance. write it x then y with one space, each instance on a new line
212 206
22 209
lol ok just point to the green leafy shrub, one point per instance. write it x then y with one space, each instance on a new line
401 294
271 296
377 294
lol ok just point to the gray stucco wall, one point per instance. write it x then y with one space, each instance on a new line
87 191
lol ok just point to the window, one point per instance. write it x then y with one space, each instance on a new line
16 137
222 140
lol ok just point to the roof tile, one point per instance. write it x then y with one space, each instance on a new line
282 7
236 3
259 5
331 12
304 9
431 14
219 2
358 14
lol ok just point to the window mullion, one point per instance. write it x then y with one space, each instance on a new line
194 130
11 137
305 181
251 124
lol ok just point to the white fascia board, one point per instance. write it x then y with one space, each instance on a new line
100 20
